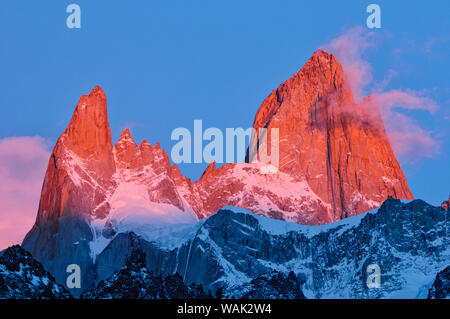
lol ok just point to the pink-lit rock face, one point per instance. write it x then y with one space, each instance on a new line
446 204
81 167
335 161
338 147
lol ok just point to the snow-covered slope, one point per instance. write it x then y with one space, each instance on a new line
135 281
278 196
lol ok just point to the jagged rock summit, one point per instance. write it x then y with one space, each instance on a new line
335 162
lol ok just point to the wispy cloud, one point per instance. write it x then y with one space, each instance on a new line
407 138
430 44
410 139
23 161
407 99
348 49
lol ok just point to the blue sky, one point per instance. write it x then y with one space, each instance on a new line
163 64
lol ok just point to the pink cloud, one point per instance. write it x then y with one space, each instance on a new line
407 138
23 161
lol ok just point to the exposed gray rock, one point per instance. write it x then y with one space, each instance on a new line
270 286
441 286
57 245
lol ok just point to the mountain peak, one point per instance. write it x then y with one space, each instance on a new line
144 143
98 91
126 133
23 277
88 132
320 79
322 55
320 127
330 165
211 169
325 58
126 139
323 69
128 154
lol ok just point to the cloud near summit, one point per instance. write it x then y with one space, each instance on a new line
408 139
